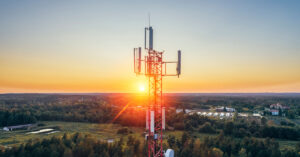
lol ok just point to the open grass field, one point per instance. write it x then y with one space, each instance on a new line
100 131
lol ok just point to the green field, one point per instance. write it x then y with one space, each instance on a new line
100 131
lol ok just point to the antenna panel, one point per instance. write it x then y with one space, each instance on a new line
150 38
179 63
137 52
150 32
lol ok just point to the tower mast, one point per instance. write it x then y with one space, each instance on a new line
154 69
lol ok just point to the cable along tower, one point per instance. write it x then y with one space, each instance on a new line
154 68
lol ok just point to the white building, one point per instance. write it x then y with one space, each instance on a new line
179 110
5 129
110 140
274 112
227 109
243 114
256 115
279 106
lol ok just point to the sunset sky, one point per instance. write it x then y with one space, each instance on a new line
86 46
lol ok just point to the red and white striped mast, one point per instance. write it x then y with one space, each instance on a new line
155 68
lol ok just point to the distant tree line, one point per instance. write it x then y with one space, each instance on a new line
15 118
62 108
238 101
29 108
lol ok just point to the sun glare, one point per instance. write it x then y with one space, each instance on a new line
142 88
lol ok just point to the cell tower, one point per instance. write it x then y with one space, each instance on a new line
154 68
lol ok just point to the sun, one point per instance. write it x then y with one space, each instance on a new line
142 88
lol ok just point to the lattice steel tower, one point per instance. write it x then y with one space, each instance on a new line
154 68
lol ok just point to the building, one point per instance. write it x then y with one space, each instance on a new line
110 140
256 115
5 129
274 112
276 108
279 106
189 111
11 128
179 110
225 109
243 115
185 111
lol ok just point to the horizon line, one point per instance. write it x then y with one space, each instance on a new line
146 92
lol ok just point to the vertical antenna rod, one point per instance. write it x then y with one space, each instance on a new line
149 18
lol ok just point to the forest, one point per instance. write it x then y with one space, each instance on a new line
101 108
232 137
80 145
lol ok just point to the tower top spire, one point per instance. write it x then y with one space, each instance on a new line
149 18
